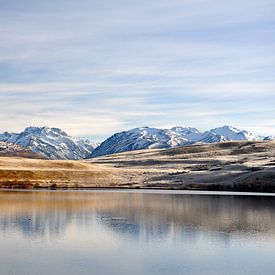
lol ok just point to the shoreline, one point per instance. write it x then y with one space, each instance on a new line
205 188
145 191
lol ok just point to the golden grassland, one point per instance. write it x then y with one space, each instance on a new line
36 173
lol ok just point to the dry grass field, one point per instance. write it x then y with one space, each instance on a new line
237 166
35 173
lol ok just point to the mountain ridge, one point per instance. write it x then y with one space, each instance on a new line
149 138
54 143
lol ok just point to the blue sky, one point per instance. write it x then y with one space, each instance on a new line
95 67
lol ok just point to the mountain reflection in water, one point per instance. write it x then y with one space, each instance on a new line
84 221
50 213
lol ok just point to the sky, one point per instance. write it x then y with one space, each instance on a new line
95 67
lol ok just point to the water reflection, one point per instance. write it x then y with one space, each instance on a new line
94 227
137 214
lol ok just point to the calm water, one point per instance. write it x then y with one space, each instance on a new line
135 233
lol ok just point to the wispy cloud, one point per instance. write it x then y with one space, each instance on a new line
96 67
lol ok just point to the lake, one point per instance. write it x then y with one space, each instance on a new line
136 232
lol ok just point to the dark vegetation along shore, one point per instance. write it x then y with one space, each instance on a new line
228 166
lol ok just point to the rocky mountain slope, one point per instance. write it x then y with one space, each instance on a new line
147 138
51 143
13 150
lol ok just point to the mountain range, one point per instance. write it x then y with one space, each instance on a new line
53 143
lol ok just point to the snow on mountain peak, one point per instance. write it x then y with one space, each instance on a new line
232 133
181 129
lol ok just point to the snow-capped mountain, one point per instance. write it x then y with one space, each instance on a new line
147 138
51 143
